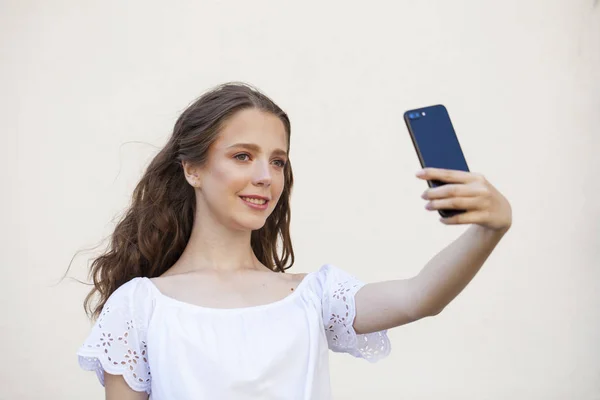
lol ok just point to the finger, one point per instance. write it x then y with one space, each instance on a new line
448 175
453 190
455 203
472 217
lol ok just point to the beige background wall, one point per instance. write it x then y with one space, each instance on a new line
90 90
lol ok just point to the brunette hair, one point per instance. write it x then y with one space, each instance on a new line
155 229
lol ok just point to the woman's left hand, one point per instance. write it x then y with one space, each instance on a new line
483 203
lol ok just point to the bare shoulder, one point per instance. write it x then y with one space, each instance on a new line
175 281
298 276
165 281
295 278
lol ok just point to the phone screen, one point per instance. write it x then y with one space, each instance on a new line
435 142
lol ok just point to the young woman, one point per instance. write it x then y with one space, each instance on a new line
193 299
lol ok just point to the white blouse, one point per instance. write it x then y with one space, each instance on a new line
177 351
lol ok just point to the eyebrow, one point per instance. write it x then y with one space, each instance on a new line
253 147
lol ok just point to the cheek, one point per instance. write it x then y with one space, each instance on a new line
228 180
277 186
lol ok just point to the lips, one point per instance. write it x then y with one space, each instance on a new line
255 200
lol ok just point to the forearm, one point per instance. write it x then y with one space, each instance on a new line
447 274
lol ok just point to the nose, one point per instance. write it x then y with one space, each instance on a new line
262 174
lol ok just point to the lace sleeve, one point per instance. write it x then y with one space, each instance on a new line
117 341
339 289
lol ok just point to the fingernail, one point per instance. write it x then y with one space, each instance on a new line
420 172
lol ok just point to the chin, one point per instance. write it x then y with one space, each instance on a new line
249 223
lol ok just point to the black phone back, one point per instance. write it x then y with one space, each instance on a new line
435 142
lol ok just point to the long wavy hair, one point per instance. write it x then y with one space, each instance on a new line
155 229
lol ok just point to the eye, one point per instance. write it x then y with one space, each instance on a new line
241 156
279 163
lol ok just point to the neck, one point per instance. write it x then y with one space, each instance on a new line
213 246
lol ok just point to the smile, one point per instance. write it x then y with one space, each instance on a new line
255 203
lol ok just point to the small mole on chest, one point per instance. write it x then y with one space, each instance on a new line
292 289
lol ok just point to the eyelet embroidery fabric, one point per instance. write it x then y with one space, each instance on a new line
339 312
117 343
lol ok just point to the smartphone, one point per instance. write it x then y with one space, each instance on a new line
435 142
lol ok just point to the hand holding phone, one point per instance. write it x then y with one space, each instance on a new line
436 144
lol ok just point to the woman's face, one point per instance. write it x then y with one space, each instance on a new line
243 178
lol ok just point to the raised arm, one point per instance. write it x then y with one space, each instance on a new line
117 389
389 304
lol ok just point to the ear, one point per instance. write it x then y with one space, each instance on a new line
192 174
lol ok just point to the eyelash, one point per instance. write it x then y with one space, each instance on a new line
282 162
